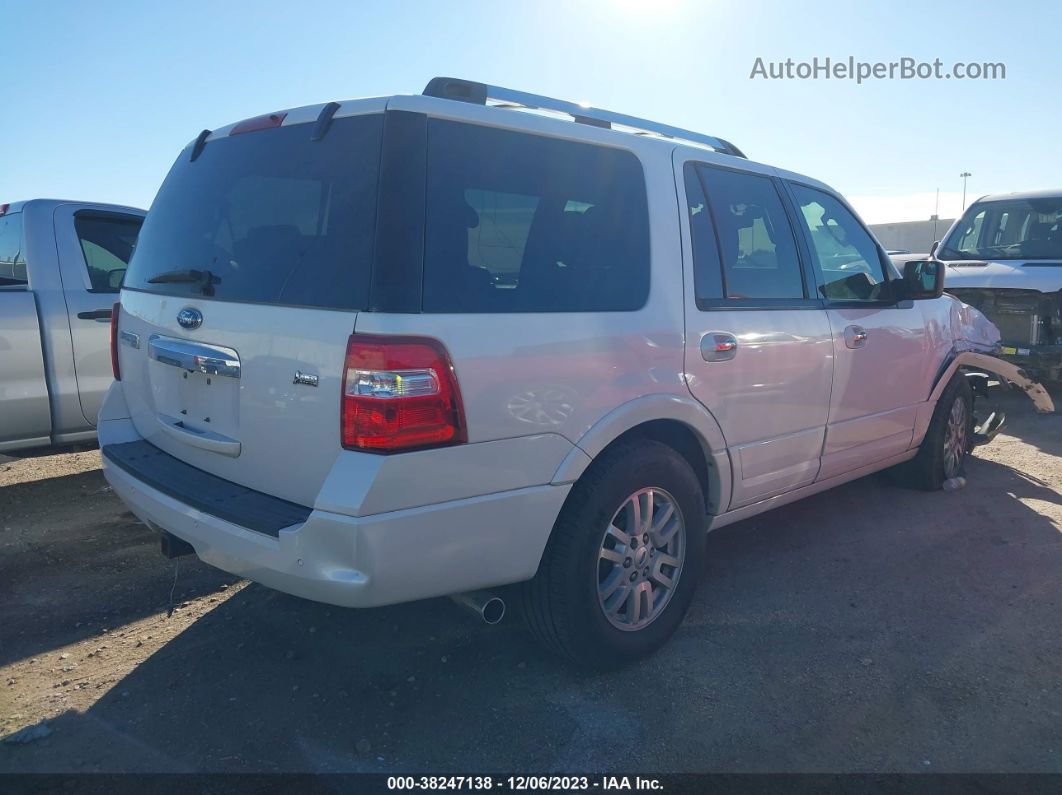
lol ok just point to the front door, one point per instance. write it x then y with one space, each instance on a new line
759 352
880 345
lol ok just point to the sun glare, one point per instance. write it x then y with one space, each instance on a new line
646 7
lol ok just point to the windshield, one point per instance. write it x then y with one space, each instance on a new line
267 217
1008 229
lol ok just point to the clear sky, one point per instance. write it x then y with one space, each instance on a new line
98 98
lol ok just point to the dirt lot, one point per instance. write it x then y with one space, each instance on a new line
869 628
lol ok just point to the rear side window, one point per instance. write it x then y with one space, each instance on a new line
524 223
12 258
268 217
756 243
107 241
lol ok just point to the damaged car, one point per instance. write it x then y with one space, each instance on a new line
1004 257
388 349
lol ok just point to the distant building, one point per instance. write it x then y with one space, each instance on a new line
915 236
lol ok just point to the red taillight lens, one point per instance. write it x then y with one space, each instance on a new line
399 393
114 342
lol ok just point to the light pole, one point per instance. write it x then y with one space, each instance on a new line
964 175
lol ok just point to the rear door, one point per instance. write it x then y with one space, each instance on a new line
94 247
880 345
758 344
243 291
24 410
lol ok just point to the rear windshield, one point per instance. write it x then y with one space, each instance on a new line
12 257
524 223
267 217
1010 229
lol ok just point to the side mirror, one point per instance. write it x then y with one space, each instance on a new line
922 278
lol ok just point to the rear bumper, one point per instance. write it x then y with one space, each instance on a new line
360 561
374 560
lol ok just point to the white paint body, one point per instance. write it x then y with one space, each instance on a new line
543 394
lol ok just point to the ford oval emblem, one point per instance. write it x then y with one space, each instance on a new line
190 317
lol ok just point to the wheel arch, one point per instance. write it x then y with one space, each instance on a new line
681 423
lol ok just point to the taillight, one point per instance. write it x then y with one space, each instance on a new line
114 342
399 393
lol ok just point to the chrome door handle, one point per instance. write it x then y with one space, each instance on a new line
855 336
718 346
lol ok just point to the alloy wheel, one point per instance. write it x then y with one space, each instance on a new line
955 438
640 559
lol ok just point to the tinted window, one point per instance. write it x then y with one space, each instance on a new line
707 281
524 223
12 259
273 216
107 242
847 257
1011 229
756 242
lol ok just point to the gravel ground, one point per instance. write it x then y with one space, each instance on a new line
870 628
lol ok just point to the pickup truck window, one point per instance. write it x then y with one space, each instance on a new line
107 241
12 259
846 255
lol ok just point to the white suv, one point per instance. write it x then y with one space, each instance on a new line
397 348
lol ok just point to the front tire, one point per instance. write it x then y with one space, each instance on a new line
942 454
624 558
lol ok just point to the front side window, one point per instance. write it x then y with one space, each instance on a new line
848 260
12 258
524 223
756 244
1008 229
107 241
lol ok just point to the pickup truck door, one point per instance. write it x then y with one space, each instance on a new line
94 249
880 345
25 415
759 352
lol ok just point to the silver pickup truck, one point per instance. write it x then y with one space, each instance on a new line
61 265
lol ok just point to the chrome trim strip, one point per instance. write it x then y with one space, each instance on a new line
195 357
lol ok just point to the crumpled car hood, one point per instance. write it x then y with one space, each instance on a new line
1011 275
970 329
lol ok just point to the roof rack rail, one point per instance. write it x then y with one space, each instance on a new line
480 93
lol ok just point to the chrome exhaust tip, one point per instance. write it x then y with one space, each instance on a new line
486 605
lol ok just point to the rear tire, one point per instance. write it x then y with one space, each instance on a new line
942 454
623 560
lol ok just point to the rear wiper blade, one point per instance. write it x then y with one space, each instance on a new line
206 279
